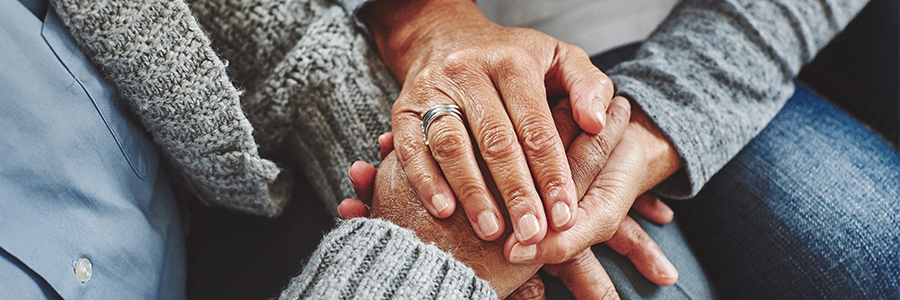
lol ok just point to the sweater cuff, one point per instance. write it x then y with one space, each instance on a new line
374 259
677 124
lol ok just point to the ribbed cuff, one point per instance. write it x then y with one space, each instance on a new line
675 122
374 259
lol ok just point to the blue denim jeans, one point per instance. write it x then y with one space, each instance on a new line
810 209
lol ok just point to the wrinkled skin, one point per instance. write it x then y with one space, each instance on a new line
395 201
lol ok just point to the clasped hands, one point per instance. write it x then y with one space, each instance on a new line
446 52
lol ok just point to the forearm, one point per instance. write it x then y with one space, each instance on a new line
716 72
374 259
406 31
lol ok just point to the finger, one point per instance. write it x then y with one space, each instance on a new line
503 155
422 171
585 277
653 209
385 144
588 153
565 124
352 208
631 241
532 289
362 175
522 89
589 90
449 142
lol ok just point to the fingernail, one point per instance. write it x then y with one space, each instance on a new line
669 214
665 268
600 113
528 227
440 202
352 180
560 214
488 223
520 253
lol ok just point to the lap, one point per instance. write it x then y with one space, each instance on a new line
630 284
809 209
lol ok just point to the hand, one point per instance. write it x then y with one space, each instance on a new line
583 274
629 239
446 51
641 159
394 200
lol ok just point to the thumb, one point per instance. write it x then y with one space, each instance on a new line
589 90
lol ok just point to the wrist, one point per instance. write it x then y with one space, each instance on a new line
406 31
662 157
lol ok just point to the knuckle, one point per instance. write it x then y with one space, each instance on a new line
448 144
539 140
516 61
518 197
408 152
600 149
637 239
498 144
461 62
468 190
556 182
421 179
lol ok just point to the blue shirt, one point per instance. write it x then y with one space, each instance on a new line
79 181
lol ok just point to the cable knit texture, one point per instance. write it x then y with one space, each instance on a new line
383 261
313 88
717 71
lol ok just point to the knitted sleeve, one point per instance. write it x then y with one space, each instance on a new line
374 259
717 71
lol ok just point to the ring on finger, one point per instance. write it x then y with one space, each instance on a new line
436 112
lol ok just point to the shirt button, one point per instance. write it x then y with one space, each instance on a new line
83 269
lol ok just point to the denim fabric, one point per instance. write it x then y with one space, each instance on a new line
810 209
631 284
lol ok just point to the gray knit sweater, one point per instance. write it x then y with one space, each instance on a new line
312 88
715 72
318 96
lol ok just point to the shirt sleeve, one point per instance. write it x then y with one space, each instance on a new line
374 259
716 72
352 5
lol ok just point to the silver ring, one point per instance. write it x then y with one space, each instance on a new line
436 112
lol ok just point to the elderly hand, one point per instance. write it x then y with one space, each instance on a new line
446 51
577 271
394 201
641 159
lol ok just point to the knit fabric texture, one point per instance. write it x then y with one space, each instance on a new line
313 88
317 94
716 72
374 259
